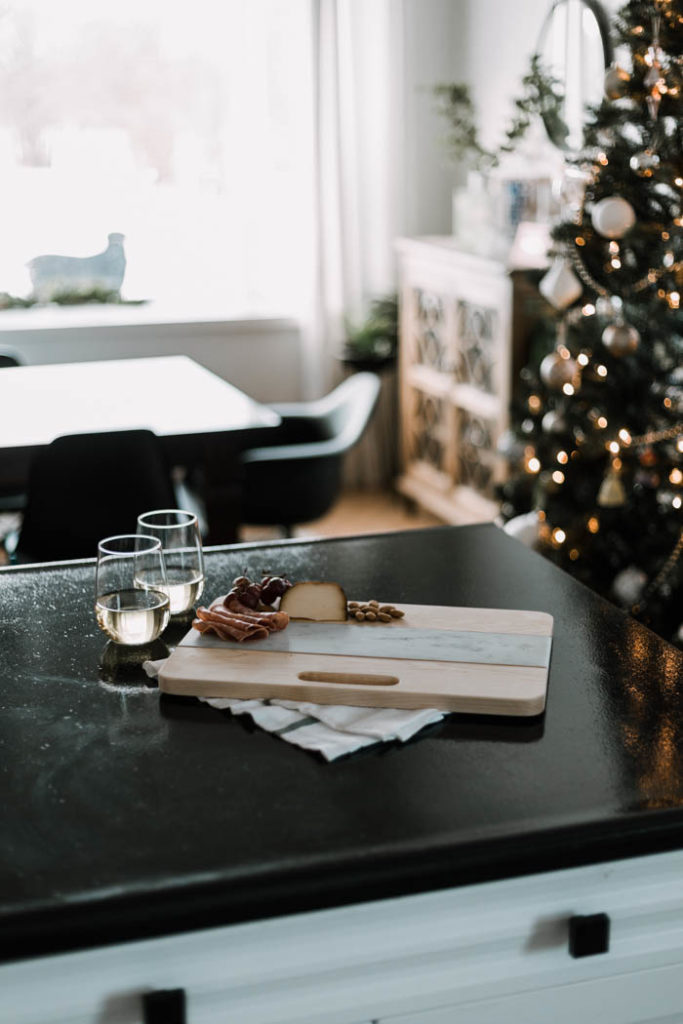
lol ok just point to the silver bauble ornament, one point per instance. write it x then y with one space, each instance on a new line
556 371
524 528
620 339
644 163
628 585
553 422
616 82
613 217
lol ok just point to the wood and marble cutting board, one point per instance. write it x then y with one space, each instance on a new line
477 660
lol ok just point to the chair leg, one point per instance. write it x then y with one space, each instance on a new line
288 532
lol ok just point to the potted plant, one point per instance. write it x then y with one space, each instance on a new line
373 343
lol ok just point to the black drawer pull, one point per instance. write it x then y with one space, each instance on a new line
167 1006
588 934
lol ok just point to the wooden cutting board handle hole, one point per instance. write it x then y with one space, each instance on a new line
357 678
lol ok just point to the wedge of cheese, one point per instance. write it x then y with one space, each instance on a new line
315 601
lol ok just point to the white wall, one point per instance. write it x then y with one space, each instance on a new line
261 357
434 50
500 38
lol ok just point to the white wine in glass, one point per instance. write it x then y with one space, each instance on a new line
178 533
128 614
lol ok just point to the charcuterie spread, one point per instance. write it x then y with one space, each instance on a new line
252 611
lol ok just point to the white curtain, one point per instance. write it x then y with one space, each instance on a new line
357 182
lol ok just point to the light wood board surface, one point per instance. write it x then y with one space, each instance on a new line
244 671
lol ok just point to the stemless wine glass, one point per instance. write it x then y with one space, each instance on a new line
181 543
131 593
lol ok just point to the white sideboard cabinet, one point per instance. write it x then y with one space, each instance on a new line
462 327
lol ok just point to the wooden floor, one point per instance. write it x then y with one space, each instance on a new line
355 513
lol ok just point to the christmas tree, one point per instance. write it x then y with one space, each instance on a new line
599 443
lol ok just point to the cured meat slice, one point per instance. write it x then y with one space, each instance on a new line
227 626
271 620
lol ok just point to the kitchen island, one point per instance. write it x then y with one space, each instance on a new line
153 844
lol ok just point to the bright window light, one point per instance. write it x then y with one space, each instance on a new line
187 128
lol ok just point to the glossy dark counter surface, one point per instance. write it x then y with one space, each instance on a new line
126 815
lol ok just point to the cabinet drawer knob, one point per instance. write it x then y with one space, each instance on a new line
167 1006
588 934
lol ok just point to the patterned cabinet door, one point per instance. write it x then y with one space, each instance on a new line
430 330
476 457
481 392
455 375
478 346
428 431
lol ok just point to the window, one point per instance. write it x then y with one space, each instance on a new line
186 127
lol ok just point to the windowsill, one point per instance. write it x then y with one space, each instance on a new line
150 314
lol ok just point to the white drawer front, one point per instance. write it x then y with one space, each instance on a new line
464 946
644 997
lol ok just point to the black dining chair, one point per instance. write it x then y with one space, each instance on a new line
12 498
8 357
298 477
83 487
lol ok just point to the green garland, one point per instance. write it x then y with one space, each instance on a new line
66 298
540 97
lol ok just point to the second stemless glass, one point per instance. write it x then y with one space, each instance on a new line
181 543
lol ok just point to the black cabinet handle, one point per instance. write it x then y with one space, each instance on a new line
167 1006
588 934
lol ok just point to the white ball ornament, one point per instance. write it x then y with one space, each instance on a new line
524 528
613 217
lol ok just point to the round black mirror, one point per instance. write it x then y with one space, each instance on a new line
574 49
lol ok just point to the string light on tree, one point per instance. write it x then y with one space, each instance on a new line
606 466
644 163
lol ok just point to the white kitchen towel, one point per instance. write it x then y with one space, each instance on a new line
332 730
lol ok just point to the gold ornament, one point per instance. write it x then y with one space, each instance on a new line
620 338
616 82
611 493
556 372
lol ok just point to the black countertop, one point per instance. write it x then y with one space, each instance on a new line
128 815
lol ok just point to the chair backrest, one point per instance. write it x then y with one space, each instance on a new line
347 409
299 480
83 487
8 357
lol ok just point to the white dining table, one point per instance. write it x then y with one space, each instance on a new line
199 417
